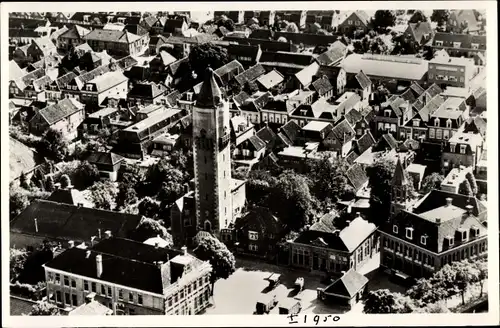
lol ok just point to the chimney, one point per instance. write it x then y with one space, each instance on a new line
348 222
184 250
98 262
36 224
107 234
87 254
71 244
157 245
89 297
99 233
358 214
342 272
469 209
438 221
328 209
448 201
186 188
159 264
92 240
80 205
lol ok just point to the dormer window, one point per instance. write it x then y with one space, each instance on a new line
439 43
416 122
121 20
450 240
462 149
253 235
474 231
423 240
436 122
395 228
303 112
457 44
86 18
387 113
448 124
110 19
463 234
474 46
409 233
452 147
89 87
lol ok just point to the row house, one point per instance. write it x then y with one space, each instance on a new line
122 43
458 45
110 84
173 282
331 246
340 139
41 47
324 18
247 55
72 88
443 228
463 21
54 91
244 79
97 121
333 55
454 72
417 127
356 21
175 26
277 110
73 37
420 33
447 119
64 116
287 63
22 87
145 93
251 107
462 149
391 115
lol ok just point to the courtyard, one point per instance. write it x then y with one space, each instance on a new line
239 293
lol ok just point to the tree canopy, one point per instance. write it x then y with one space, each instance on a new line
44 308
207 55
53 145
465 188
417 17
383 19
440 16
432 181
103 194
148 228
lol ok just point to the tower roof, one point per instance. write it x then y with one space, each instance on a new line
210 94
399 178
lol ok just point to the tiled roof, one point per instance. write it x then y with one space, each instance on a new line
111 36
468 18
82 79
60 110
166 58
42 83
250 74
351 157
126 62
437 198
149 21
419 30
257 143
333 55
271 79
108 80
21 158
475 125
322 86
291 130
103 158
364 142
348 285
75 32
28 79
68 196
69 222
266 134
173 97
353 116
262 34
342 132
65 79
45 44
243 50
257 101
389 140
136 29
465 40
179 67
228 70
157 40
240 98
286 57
172 24
357 176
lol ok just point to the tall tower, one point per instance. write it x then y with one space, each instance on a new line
212 160
399 193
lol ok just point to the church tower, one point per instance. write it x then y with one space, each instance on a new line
399 192
212 157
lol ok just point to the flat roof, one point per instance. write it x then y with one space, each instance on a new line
452 61
153 119
445 213
103 112
315 126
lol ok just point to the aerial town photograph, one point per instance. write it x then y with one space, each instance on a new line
247 162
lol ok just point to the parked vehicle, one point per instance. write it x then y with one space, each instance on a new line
274 280
299 284
265 304
290 306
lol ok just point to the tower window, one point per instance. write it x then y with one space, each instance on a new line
206 197
423 240
205 158
395 228
409 233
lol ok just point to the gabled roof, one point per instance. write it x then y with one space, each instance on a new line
166 58
291 130
333 55
348 285
290 58
257 143
69 196
342 132
240 98
360 14
465 40
364 142
111 36
271 79
108 80
179 67
419 30
353 116
357 176
266 134
136 29
45 44
305 76
149 21
322 86
244 50
56 112
147 90
250 74
467 17
475 125
70 222
103 158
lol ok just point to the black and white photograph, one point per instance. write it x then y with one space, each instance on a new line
307 166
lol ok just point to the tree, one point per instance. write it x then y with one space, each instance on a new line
23 181
404 46
228 23
425 292
259 186
53 145
161 173
481 268
222 260
65 181
472 181
329 180
440 16
464 276
170 192
85 175
49 184
206 55
148 228
465 188
149 207
44 308
291 200
383 19
103 194
17 261
126 196
417 17
432 181
18 201
379 180
380 301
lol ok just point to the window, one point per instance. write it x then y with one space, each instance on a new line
349 22
66 281
462 79
89 87
451 241
457 44
452 147
94 287
110 293
432 133
474 46
423 240
436 121
58 278
58 297
139 299
416 122
67 299
446 134
253 235
409 233
253 247
464 235
103 290
74 300
448 124
395 228
439 134
120 294
131 297
462 149
439 43
387 113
